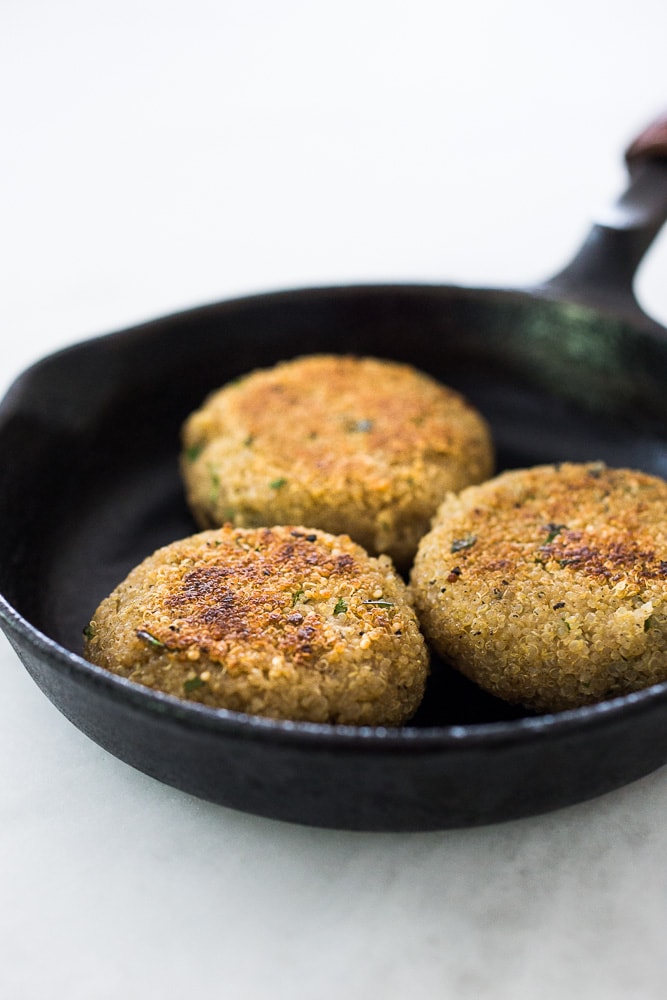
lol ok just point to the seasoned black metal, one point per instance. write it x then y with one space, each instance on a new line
89 485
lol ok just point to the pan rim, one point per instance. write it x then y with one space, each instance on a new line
543 292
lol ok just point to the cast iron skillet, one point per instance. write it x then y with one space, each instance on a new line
89 485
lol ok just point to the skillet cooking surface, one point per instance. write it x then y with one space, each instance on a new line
106 415
89 486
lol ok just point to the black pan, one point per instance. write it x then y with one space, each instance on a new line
89 486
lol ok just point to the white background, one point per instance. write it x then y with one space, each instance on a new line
156 155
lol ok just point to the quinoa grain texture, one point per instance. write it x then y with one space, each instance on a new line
284 622
352 445
548 586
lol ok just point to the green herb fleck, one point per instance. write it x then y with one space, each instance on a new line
380 604
215 484
192 684
193 452
89 630
341 607
566 624
463 543
141 633
249 440
554 529
649 623
297 595
277 484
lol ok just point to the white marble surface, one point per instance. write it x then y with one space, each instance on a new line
156 155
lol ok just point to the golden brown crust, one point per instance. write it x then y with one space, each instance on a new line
286 622
548 586
353 445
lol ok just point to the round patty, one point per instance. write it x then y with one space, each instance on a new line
290 623
352 445
548 586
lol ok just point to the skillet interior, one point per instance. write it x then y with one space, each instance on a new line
89 439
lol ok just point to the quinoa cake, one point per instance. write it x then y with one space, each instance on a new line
548 586
352 445
284 622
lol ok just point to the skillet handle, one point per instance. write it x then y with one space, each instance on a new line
602 272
